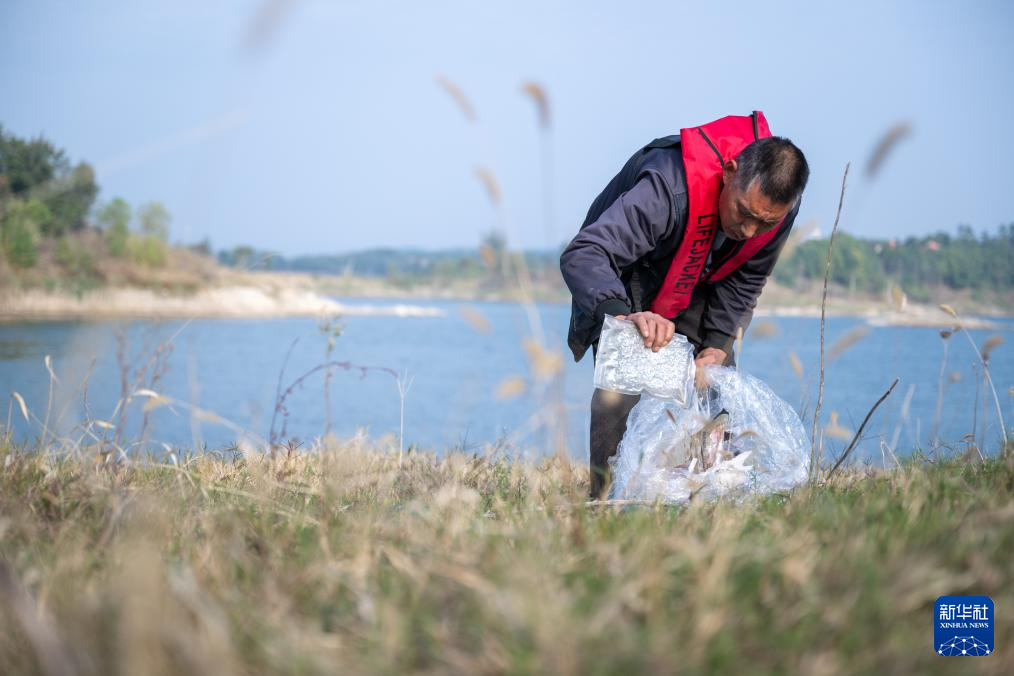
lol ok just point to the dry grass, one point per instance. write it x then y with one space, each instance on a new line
337 561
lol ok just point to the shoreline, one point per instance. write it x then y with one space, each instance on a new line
280 295
918 316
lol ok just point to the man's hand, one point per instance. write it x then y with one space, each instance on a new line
706 357
656 330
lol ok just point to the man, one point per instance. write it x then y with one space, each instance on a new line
682 240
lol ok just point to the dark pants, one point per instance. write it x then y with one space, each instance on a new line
609 410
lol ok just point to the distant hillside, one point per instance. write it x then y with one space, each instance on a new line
380 262
922 267
384 262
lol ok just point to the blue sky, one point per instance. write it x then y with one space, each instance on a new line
327 132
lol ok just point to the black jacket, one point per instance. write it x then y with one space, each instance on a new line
637 223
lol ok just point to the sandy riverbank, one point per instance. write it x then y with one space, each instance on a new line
253 301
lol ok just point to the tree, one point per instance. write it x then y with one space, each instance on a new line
150 248
114 219
37 169
242 256
69 198
154 218
28 164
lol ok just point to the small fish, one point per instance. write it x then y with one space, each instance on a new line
702 449
713 440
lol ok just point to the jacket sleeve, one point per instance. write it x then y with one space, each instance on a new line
628 229
732 300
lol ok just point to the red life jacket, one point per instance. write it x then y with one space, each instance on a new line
705 152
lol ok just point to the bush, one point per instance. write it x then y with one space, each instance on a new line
21 244
77 260
147 250
116 240
20 231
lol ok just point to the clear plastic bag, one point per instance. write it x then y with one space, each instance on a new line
623 364
735 438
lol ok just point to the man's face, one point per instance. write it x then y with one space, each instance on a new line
746 213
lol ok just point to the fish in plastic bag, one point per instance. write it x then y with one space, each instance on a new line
735 438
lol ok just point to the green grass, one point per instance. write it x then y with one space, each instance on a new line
340 561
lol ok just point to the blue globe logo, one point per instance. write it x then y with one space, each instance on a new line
967 646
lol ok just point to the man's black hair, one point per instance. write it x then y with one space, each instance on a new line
778 164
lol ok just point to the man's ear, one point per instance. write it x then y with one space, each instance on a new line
728 171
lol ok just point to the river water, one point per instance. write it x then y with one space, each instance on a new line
452 371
